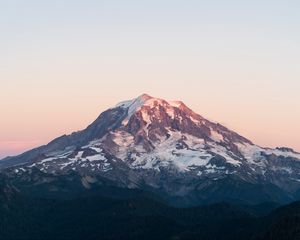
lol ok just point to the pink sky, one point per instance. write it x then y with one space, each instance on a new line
62 64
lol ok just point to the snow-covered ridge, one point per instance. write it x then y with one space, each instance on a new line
185 152
145 100
170 146
179 146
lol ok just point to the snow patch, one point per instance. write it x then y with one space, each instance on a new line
215 136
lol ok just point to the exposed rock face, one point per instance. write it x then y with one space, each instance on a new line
167 149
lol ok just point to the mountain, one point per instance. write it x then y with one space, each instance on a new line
161 148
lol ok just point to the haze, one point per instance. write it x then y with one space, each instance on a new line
63 62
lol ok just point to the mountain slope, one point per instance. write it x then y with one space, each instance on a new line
165 148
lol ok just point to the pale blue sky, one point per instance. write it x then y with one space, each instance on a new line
236 62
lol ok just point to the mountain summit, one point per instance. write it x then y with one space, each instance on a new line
164 148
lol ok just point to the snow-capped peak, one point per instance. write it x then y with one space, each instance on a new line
176 103
141 99
153 116
136 104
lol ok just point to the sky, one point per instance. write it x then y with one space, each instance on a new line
63 62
